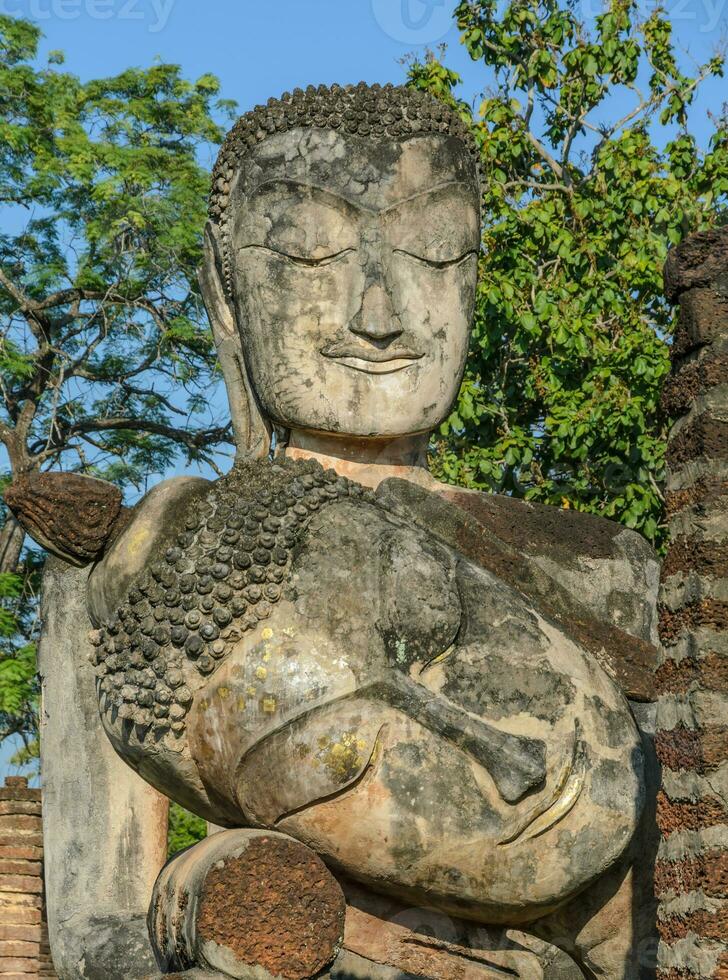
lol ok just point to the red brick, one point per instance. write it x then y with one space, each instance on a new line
702 494
8 897
34 868
17 947
711 613
29 932
709 671
709 925
708 871
696 749
21 853
676 815
16 964
12 838
20 794
29 808
15 822
21 883
20 915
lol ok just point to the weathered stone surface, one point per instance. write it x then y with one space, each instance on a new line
690 381
249 904
702 313
605 598
700 261
275 906
386 553
425 688
692 678
674 815
104 829
677 676
70 515
419 944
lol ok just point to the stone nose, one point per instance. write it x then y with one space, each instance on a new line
376 319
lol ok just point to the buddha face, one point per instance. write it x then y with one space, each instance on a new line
354 268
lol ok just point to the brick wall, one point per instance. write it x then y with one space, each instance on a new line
692 715
24 950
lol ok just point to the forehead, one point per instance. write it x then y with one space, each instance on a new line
372 175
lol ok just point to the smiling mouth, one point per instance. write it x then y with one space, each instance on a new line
372 360
372 366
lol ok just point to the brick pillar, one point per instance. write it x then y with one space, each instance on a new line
692 715
24 950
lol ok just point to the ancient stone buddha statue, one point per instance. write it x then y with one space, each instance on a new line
342 660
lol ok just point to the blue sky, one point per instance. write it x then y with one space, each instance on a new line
262 48
259 49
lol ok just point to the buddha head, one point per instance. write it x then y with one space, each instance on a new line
341 255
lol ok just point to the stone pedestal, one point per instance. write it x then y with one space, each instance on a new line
24 950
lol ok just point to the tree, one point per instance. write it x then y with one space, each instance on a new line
185 829
106 361
19 688
590 173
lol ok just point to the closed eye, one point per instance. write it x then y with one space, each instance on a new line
432 264
303 260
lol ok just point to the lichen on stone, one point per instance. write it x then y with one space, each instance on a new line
219 580
375 112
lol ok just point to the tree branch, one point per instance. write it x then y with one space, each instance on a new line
194 441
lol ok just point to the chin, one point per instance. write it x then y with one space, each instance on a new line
374 425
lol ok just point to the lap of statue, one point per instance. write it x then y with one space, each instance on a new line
298 656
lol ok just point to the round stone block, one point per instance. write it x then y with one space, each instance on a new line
250 904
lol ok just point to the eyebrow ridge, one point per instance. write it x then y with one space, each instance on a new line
358 207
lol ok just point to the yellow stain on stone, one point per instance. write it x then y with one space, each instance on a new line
266 656
204 704
224 693
267 633
343 758
269 706
251 691
138 539
261 673
242 703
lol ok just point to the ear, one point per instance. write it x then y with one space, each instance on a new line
252 430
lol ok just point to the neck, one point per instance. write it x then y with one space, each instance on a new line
367 461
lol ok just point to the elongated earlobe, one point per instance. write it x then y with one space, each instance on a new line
252 430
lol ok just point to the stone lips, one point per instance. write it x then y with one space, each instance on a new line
218 581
